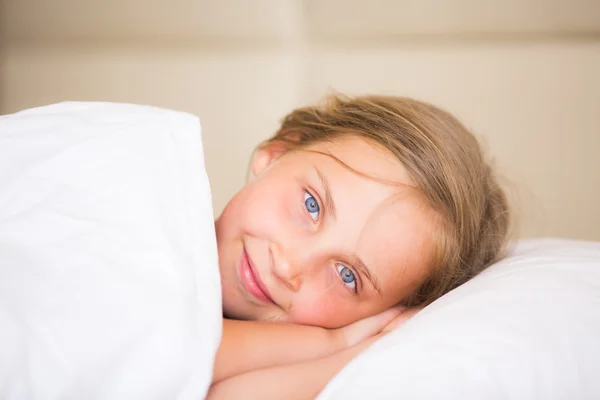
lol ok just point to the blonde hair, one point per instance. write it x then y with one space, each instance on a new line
444 160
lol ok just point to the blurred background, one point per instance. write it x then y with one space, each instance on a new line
524 75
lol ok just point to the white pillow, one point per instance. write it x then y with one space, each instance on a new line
526 328
109 282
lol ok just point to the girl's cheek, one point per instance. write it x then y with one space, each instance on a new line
321 306
268 212
311 313
325 315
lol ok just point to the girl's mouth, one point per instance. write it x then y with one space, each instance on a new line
251 280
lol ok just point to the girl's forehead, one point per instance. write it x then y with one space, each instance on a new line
395 237
364 157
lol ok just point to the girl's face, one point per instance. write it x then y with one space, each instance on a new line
311 242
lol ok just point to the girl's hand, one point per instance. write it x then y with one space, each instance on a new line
306 379
400 319
358 331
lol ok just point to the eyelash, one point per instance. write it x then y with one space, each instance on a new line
317 199
356 276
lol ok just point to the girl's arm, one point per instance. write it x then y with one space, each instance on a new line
303 380
300 381
253 345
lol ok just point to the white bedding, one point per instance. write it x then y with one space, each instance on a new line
109 283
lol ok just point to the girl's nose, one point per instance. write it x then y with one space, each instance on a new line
285 268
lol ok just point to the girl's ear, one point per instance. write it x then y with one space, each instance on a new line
265 156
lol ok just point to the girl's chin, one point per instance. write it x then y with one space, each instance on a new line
243 310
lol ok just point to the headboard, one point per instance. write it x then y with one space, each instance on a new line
524 75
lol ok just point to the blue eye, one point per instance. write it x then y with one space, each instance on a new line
312 206
347 276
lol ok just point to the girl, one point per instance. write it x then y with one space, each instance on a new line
355 207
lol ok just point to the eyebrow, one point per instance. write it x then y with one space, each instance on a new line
366 271
329 204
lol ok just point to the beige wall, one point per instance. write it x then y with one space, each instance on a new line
522 74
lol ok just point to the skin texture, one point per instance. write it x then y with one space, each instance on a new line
301 249
302 380
253 345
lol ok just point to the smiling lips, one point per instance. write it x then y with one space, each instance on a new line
251 280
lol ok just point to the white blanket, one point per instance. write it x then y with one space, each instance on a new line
109 283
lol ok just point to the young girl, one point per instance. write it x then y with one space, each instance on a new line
355 207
